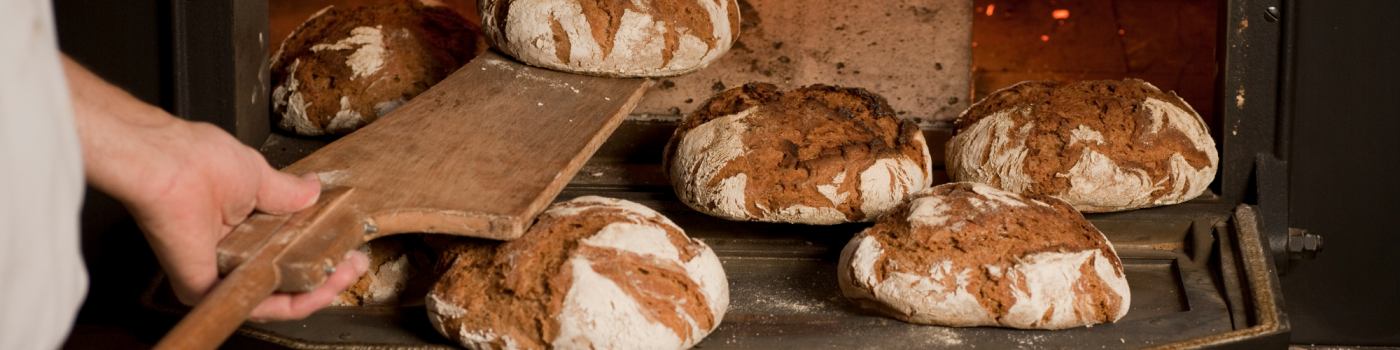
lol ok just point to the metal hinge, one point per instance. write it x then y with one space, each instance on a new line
1286 244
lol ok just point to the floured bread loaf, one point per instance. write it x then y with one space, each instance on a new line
636 38
1099 145
342 69
815 155
398 265
592 273
965 254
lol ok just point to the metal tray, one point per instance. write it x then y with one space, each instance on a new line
1197 271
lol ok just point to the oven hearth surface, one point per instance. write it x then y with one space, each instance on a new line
1190 279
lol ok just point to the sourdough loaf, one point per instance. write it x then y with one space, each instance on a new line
633 38
1099 145
816 155
966 254
400 269
342 69
592 273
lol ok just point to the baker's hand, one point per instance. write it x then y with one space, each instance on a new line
204 185
188 185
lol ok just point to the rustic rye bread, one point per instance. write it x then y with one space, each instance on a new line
615 38
342 69
966 254
400 270
1100 145
592 272
815 155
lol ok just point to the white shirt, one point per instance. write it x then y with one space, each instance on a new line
42 278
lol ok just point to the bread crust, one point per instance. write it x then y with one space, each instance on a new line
343 69
1099 145
400 269
614 38
593 272
815 155
966 254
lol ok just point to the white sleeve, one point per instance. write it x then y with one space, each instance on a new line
42 278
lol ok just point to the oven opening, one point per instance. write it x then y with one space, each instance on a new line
930 59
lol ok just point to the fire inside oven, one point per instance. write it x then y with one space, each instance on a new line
1194 269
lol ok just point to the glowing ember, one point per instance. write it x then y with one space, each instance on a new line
1120 32
1060 14
989 9
1044 38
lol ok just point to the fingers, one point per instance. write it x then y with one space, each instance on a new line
283 193
284 306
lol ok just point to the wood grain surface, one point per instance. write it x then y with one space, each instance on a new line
480 153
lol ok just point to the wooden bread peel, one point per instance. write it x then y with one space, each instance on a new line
479 154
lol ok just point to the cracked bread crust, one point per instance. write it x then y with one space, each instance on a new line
815 155
400 269
344 68
1099 145
615 38
966 254
592 272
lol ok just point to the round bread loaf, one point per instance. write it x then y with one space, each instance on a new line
965 254
592 273
622 38
342 69
815 155
1098 145
399 265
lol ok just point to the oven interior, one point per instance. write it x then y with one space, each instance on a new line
1200 273
1203 273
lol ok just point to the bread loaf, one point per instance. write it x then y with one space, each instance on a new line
1098 145
342 69
815 155
400 269
592 273
631 38
966 254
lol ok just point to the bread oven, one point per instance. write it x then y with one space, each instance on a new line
1203 274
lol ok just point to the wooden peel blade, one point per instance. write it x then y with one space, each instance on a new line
479 154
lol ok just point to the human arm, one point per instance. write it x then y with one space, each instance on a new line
188 184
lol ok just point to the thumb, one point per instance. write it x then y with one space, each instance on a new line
280 193
285 306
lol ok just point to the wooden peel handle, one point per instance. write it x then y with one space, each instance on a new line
224 308
260 248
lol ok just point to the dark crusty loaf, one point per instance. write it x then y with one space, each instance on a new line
637 38
400 269
592 273
1099 145
342 69
966 254
816 155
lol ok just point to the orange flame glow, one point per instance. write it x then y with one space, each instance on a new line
1044 38
989 9
1060 14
